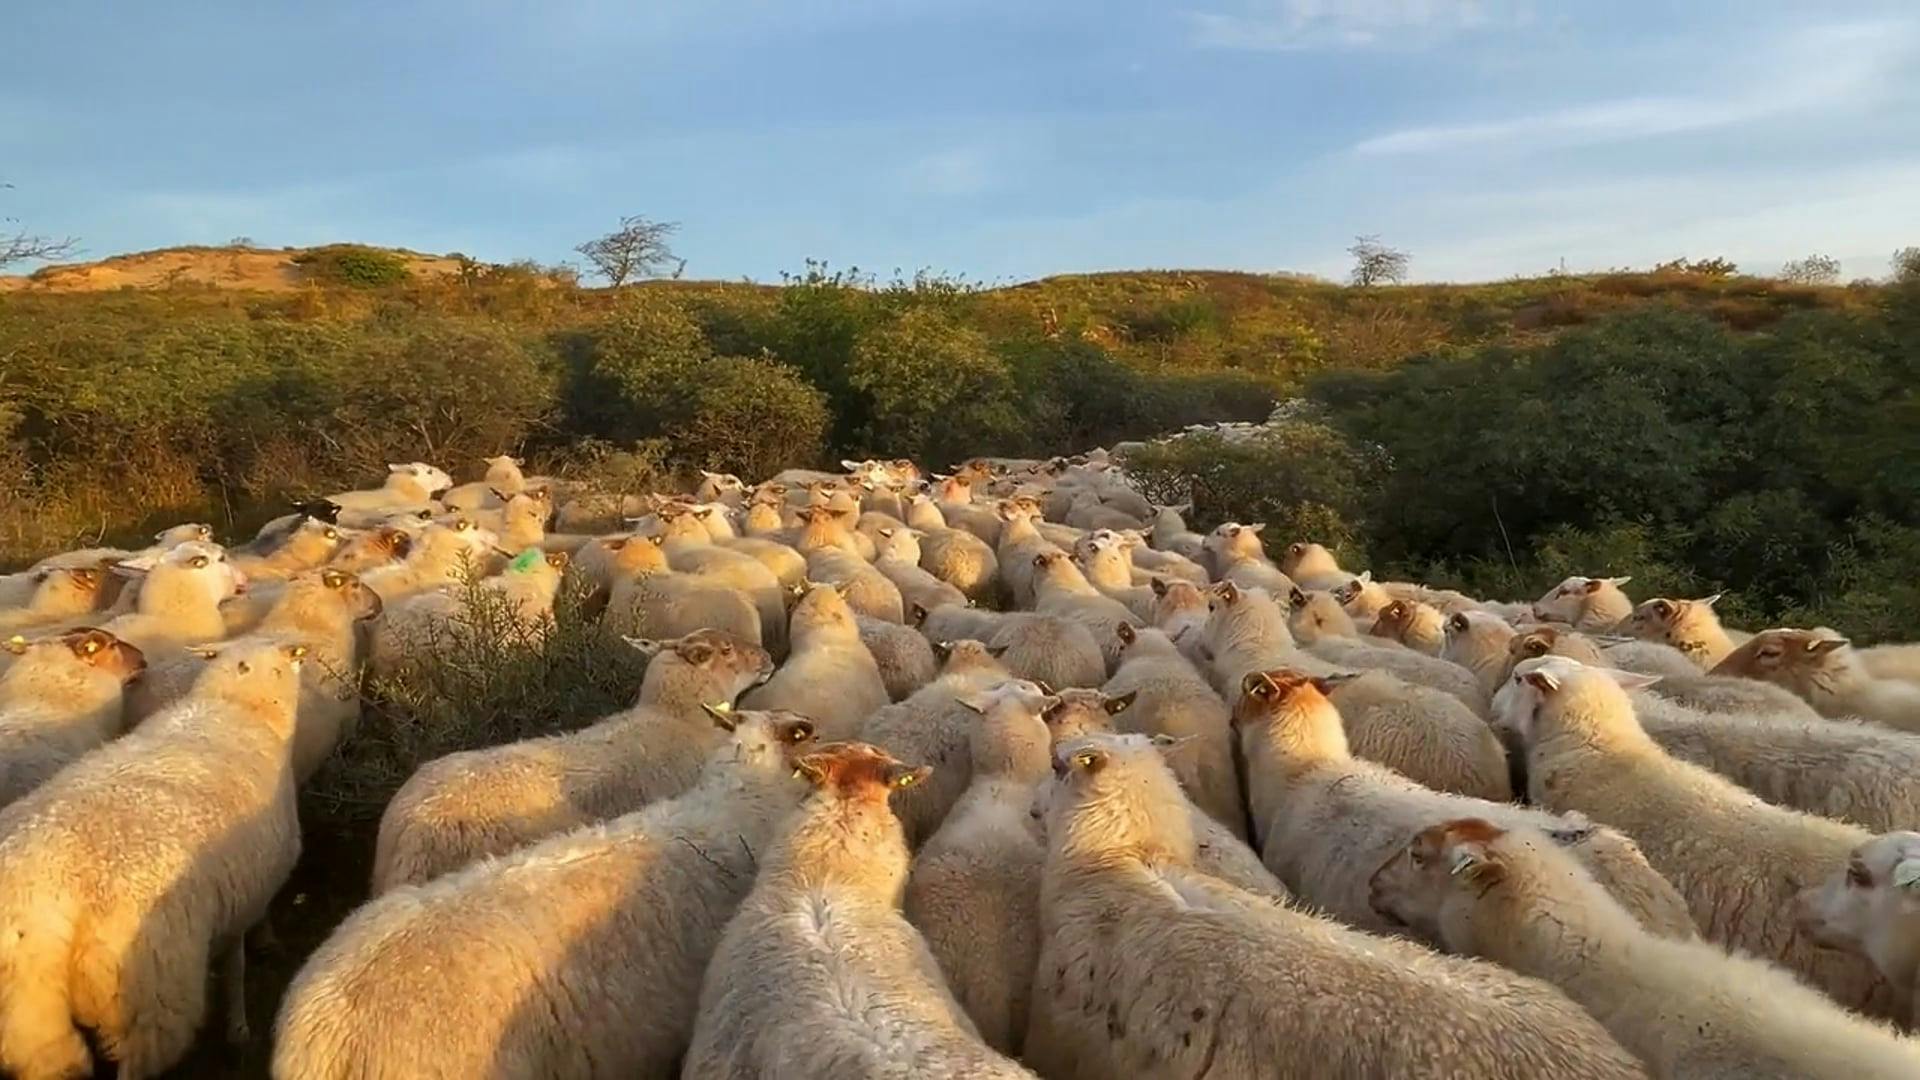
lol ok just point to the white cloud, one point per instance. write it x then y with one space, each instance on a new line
1807 71
1288 25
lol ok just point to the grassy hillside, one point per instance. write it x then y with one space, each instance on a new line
122 407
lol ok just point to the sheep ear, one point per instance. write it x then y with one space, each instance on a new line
136 567
1543 681
1826 645
998 651
1471 862
1296 598
1906 874
16 645
918 614
1168 742
1158 585
901 776
973 703
393 468
648 647
1127 634
850 466
1617 582
1116 705
1364 577
1257 527
1630 680
722 715
1709 601
1570 837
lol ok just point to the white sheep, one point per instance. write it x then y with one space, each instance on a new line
466 805
407 485
1691 626
1020 545
904 656
578 957
1870 906
503 478
1417 625
1738 861
1822 668
1421 733
1585 603
1169 532
932 727
1328 633
1062 591
126 874
1167 696
974 890
1149 968
1685 1008
1234 554
649 599
1325 819
829 676
819 975
64 697
1246 631
1312 566
898 558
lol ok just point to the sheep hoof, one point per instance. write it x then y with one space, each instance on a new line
239 1032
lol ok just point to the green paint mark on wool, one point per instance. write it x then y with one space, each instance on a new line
526 560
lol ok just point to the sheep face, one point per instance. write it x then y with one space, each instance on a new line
1549 688
181 534
1076 711
1273 697
1419 886
728 664
1871 906
1800 660
823 608
1232 541
762 738
432 479
204 566
264 675
1306 556
351 593
966 655
1029 696
1567 601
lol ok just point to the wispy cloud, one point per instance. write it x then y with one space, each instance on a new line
1289 25
960 170
1825 68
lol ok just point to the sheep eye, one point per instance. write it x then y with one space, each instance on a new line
198 562
1858 877
1535 648
92 647
1662 608
333 534
1415 857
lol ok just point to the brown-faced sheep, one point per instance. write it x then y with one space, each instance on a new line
1822 668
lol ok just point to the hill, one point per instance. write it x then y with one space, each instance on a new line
240 267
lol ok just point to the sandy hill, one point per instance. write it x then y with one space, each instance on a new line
262 269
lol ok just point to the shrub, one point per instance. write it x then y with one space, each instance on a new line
353 265
934 389
750 417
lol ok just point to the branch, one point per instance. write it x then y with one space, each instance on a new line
22 246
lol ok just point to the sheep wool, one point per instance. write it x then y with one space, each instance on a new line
1585 603
578 957
1166 696
1737 860
1691 626
904 656
1685 1008
819 946
1247 631
1325 819
1149 969
1424 735
974 889
123 876
61 592
1048 649
1419 626
1868 907
63 698
932 728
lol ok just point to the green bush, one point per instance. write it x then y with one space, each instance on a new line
355 266
934 389
750 417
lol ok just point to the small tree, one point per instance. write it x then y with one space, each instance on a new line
637 249
1812 270
18 245
1906 264
1374 263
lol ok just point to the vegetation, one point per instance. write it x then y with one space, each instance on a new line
351 264
637 249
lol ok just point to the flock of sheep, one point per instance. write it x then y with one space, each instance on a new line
997 773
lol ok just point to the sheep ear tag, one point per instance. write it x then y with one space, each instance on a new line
525 561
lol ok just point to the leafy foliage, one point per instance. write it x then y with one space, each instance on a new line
351 264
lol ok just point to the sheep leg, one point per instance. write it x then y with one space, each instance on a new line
262 938
233 976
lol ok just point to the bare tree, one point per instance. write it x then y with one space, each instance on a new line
637 249
19 245
1374 263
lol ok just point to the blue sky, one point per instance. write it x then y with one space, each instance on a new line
1000 139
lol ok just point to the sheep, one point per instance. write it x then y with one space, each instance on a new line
1050 649
1151 969
408 485
1822 668
868 591
830 676
503 479
1861 773
1892 661
1688 625
1104 562
648 599
1062 591
521 519
1419 626
1153 563
65 696
466 805
1685 1008
1737 860
1325 819
1479 642
580 956
1868 907
1169 532
1217 850
1169 697
974 888
309 544
374 548
1361 597
444 554
320 610
951 622
899 560
1314 614
819 946
1246 631
1180 611
1680 682
788 566
931 728
1312 566
1585 603
61 593
1234 554
1650 658
1018 552
904 656
960 559
126 873
1089 512
693 551
1421 733
163 541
